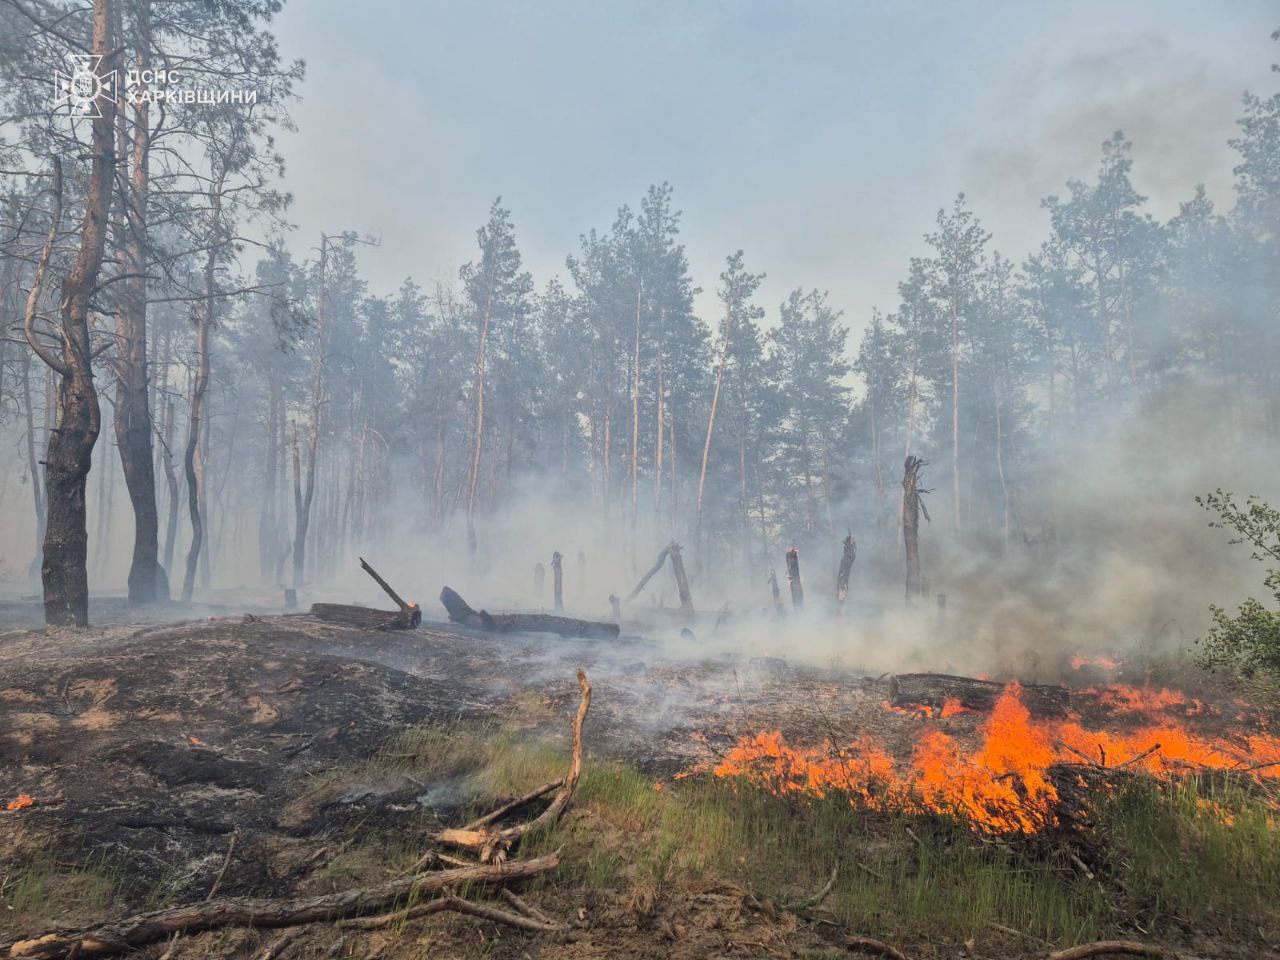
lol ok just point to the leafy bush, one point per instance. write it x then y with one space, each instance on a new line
1249 641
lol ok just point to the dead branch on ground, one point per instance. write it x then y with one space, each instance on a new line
493 845
1113 948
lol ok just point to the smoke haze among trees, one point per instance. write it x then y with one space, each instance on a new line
266 416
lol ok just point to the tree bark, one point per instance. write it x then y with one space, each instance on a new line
682 581
557 577
461 612
133 424
793 579
63 571
912 507
846 568
711 422
193 462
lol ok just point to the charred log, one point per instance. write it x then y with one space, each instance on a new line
367 618
462 612
934 690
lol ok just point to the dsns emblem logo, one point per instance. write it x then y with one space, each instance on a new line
81 88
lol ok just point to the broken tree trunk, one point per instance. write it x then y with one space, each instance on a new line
682 581
912 507
123 936
934 690
793 578
846 567
461 612
649 575
539 580
558 576
368 618
406 618
777 594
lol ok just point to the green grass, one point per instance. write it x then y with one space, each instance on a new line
1200 852
44 889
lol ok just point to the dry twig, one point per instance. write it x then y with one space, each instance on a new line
1113 948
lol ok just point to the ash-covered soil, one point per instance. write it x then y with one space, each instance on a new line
146 746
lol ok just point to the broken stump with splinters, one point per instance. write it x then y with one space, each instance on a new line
793 578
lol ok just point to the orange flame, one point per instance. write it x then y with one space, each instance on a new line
24 800
1001 784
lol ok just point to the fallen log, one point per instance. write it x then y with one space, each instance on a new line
406 618
123 936
462 612
933 690
368 618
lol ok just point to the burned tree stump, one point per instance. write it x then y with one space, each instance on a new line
777 594
615 606
462 612
539 580
557 576
934 690
682 581
793 578
846 568
912 507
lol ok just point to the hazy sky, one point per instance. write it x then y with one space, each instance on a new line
819 137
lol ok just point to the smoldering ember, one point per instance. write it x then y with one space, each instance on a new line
828 504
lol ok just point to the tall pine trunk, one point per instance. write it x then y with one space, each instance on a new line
63 571
133 424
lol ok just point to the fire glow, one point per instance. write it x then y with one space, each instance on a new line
1002 782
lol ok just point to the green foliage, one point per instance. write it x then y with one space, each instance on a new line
1249 641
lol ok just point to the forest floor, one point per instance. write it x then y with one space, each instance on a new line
269 755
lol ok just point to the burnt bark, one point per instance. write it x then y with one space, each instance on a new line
133 423
933 690
682 581
557 576
64 573
793 579
461 612
912 507
846 568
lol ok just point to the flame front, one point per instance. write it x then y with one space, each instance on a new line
999 783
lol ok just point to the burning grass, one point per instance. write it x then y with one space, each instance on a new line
1005 776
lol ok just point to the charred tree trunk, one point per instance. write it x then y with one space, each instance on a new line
557 576
461 612
63 571
777 594
133 425
912 507
539 581
682 581
846 568
649 575
793 579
